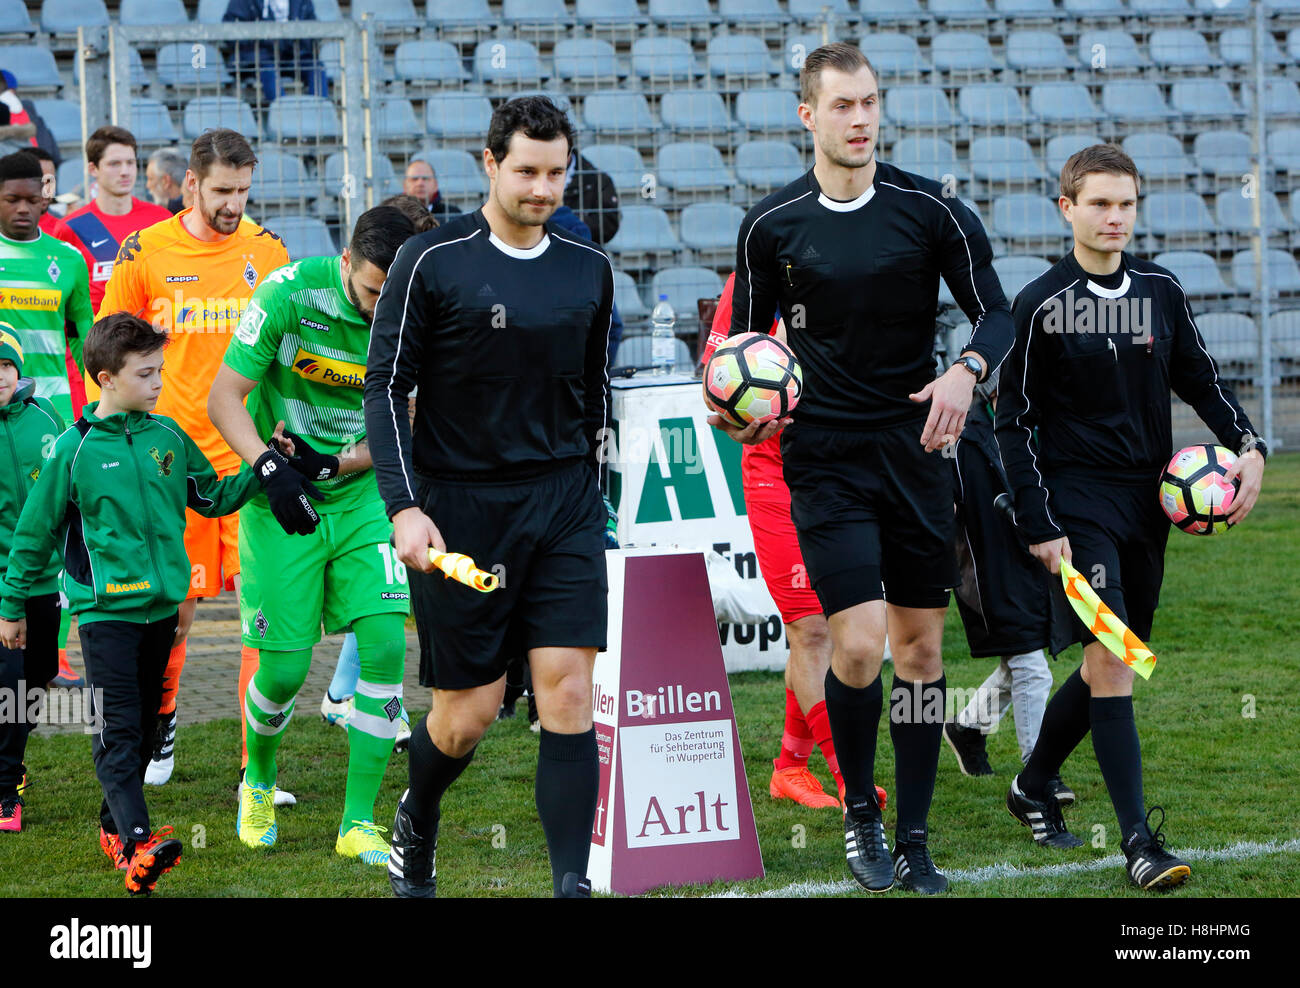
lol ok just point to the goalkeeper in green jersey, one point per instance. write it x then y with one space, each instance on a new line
299 357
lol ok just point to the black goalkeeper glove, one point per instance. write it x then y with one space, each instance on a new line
288 493
308 461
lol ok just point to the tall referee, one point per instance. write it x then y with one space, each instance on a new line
851 253
502 319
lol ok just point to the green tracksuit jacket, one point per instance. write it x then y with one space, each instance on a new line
30 425
112 498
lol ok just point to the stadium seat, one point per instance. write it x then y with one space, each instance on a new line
1231 337
618 113
991 104
1281 97
1175 213
588 60
281 178
797 47
1015 271
429 61
1094 8
386 183
451 116
14 18
695 112
151 123
685 286
919 106
32 67
959 9
63 117
1286 336
211 11
768 164
1197 272
459 13
1237 48
751 12
507 60
71 177
1236 214
692 166
1004 160
961 51
176 66
894 54
460 174
1206 98
1025 8
1036 51
303 236
1159 157
1232 8
769 111
622 162
1060 147
303 118
1283 274
1293 44
644 229
1177 48
559 99
1110 49
891 11
627 298
1284 150
327 11
1149 7
1027 216
1134 101
681 12
219 111
1063 102
395 121
1223 152
65 16
712 227
386 11
535 13
635 351
810 12
664 57
928 155
739 56
609 12
146 12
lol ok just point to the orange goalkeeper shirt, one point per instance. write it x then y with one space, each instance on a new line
197 291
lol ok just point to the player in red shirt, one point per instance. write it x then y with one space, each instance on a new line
767 501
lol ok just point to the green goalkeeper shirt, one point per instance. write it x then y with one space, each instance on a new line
305 344
45 296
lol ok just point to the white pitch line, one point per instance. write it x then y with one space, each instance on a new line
991 873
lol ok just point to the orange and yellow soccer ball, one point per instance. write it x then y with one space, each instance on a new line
1194 492
753 377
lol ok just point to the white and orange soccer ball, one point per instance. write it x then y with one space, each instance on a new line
753 377
1194 492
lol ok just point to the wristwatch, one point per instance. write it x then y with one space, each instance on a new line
973 365
1249 442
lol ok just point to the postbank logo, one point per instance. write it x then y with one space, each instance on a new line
31 299
338 373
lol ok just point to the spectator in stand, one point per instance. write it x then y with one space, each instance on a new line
19 121
422 182
165 177
273 59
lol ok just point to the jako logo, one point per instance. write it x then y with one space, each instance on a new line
89 943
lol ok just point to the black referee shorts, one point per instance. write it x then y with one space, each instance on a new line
545 539
874 515
1117 536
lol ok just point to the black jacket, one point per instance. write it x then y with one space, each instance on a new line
297 54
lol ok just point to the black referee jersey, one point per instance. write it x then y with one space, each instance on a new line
1091 370
858 286
508 348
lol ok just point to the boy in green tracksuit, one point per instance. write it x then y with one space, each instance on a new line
112 497
30 426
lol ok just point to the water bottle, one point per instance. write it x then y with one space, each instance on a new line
663 343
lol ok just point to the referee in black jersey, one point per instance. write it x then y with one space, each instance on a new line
851 254
502 319
1101 338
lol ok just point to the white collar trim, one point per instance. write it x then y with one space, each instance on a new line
524 255
847 207
1119 292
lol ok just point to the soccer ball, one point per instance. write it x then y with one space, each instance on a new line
753 377
1193 491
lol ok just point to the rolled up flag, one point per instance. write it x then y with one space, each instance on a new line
461 568
1103 622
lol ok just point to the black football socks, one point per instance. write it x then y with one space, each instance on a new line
854 715
1066 722
567 785
916 728
431 773
1119 756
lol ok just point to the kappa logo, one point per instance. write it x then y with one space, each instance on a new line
164 462
393 708
182 278
130 246
486 291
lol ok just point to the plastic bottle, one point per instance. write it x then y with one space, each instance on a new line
663 342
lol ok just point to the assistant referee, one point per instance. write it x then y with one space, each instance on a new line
851 254
502 319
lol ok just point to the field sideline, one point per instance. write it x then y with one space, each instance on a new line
1218 725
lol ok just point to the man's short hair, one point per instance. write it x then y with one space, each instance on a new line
414 210
102 138
40 154
1107 158
837 55
20 165
220 146
378 233
114 338
422 161
170 163
536 116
